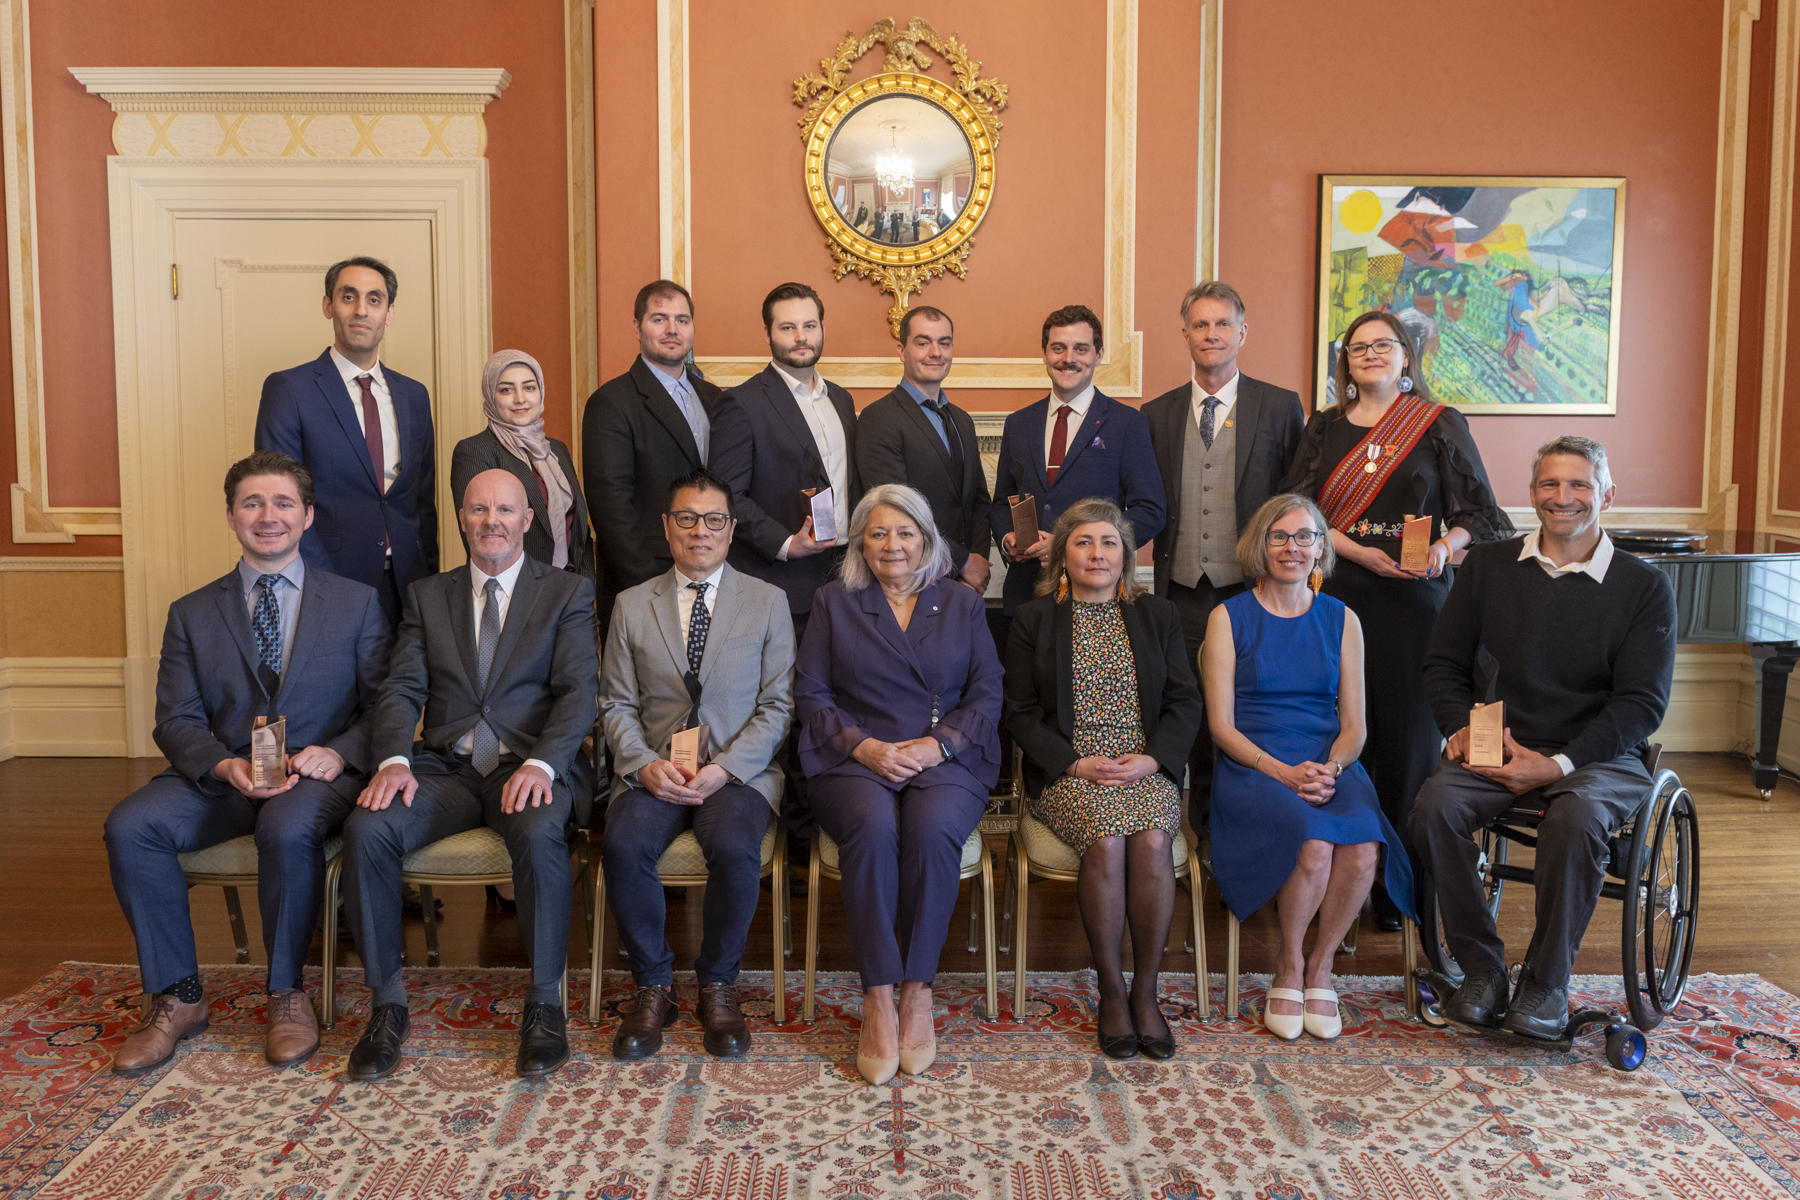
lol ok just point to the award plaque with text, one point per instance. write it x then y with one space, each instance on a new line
1025 526
824 514
1415 544
1487 735
689 749
268 752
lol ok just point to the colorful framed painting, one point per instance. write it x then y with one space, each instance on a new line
1509 285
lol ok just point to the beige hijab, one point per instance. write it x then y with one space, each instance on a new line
530 444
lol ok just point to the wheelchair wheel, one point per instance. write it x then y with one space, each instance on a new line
1491 850
1660 906
1626 1048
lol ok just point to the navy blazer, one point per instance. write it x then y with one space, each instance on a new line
208 691
1109 456
306 414
859 675
763 449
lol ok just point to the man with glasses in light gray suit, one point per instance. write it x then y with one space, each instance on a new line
703 644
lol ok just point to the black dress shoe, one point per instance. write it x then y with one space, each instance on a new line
1114 1047
377 1051
640 1032
1159 1048
543 1040
727 1033
493 893
1539 1011
1388 922
1481 1000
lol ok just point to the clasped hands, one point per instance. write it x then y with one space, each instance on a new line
898 762
314 762
1525 769
1313 782
1113 772
527 787
670 783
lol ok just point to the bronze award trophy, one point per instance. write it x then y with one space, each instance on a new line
1025 526
1487 735
268 752
1415 545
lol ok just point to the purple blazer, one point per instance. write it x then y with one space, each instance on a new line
859 675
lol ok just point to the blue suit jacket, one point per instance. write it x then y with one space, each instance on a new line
306 413
208 692
1109 456
859 675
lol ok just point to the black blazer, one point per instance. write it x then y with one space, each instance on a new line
483 452
634 443
1040 695
896 443
1268 421
763 449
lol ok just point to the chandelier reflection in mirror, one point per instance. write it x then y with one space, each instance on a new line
900 214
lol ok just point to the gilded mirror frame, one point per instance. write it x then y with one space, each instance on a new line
971 102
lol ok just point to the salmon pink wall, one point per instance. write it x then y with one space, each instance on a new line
1531 87
526 152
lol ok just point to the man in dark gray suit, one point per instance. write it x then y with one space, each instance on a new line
706 645
499 655
1223 441
274 637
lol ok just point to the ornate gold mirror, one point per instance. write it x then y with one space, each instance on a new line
900 166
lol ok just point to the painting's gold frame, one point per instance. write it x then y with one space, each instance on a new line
1322 331
900 271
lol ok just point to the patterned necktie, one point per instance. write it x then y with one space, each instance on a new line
484 753
953 438
1206 420
699 621
1059 444
266 625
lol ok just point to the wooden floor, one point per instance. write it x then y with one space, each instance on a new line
56 901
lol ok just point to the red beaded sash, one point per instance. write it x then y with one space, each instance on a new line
1358 479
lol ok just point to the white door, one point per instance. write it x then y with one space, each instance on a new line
248 306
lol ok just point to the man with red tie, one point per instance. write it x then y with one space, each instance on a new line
364 433
1072 444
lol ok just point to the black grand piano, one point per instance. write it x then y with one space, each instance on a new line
1735 586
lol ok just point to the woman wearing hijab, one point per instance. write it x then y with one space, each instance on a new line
512 399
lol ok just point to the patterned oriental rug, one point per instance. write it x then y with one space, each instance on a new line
1021 1110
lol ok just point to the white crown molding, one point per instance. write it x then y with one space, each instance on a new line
27 564
109 82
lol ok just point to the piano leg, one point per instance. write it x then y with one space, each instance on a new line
1774 663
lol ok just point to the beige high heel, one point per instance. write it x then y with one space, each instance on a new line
876 1070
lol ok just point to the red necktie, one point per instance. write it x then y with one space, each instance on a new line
1059 444
372 432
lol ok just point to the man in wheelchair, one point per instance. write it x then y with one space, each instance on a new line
1579 643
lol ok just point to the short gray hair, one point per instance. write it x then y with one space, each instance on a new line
1253 546
1580 447
934 558
1212 289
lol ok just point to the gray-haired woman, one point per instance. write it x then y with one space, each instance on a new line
897 688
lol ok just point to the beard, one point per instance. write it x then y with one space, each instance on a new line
800 360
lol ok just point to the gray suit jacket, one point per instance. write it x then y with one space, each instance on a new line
539 697
746 679
208 691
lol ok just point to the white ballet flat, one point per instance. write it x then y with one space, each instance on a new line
1323 1028
1286 1026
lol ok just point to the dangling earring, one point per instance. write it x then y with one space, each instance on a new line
1316 580
1122 593
1349 391
1406 383
1062 587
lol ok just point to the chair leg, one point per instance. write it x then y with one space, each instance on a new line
597 944
987 916
1007 883
1231 965
234 910
812 934
328 982
428 906
586 855
972 913
1349 944
778 894
563 989
1410 949
1202 998
1022 891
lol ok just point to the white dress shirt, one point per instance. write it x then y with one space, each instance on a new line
684 598
1226 396
1077 414
1594 567
828 435
478 579
384 407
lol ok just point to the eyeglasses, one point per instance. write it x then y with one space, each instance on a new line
1280 537
1364 349
687 519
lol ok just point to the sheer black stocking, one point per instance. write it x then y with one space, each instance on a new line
1151 901
1121 878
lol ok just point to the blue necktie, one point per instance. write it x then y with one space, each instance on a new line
1206 420
265 623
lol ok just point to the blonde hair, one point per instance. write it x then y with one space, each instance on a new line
1253 548
1091 511
934 555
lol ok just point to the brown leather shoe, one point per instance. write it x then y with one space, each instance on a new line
166 1026
727 1033
293 1033
640 1032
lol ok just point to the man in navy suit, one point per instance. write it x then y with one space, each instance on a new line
1072 444
1223 441
364 431
274 637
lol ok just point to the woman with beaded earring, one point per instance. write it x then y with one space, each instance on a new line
1387 451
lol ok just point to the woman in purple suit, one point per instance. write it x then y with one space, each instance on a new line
897 686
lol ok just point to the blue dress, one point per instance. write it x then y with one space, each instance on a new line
1286 703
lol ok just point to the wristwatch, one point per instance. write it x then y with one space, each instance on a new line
949 752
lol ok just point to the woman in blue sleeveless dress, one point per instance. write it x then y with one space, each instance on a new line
1294 818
